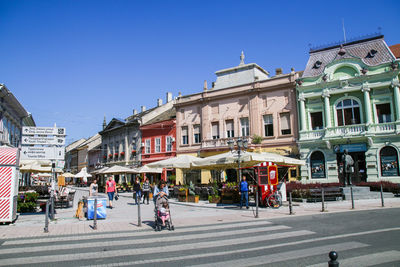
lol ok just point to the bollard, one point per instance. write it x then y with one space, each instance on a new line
46 221
52 207
352 197
290 204
383 201
139 217
95 215
323 199
257 202
333 259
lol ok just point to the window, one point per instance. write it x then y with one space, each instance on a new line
383 112
268 125
316 120
117 147
148 146
244 126
215 130
348 112
169 143
389 161
185 140
229 129
285 123
196 134
215 109
158 145
317 160
105 151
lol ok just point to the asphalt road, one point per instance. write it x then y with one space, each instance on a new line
361 238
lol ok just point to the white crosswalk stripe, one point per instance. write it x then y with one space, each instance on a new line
215 245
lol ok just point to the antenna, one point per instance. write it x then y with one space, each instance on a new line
344 31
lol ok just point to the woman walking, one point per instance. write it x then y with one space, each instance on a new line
146 190
111 189
137 190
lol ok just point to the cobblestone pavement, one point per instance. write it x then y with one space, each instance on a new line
124 216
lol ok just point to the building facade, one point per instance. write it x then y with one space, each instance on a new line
244 102
89 154
13 117
349 99
158 137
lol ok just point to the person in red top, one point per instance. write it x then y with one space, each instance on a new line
111 189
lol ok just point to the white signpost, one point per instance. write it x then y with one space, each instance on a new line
43 140
35 153
43 131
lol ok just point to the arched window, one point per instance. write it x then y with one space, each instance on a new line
389 161
317 160
348 112
345 72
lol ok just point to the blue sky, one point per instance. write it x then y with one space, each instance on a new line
72 62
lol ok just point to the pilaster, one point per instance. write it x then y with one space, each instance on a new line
326 95
367 103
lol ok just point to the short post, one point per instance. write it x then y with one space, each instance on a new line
382 200
46 221
138 207
290 204
95 214
323 199
52 207
333 259
352 197
256 201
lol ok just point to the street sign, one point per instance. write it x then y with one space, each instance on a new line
43 131
43 140
48 153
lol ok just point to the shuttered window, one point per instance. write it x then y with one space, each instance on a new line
215 130
285 123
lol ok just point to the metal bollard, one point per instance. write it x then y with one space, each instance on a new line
46 221
333 259
323 199
139 217
95 215
352 197
52 207
382 200
256 202
290 204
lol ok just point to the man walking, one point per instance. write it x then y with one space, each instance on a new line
244 192
111 189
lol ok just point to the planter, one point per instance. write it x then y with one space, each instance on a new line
213 199
194 199
182 198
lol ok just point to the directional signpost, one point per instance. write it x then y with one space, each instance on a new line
44 143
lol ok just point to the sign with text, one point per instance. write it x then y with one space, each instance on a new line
273 174
43 131
43 140
47 153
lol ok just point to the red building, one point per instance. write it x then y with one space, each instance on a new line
158 140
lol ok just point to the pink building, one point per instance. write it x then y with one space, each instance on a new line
243 102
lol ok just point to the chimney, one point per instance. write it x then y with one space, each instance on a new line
278 71
134 112
169 97
205 85
159 102
143 108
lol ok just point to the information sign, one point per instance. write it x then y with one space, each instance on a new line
46 153
43 140
43 131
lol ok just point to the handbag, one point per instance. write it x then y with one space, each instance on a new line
116 197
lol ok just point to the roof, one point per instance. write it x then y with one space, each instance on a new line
92 142
395 50
74 144
166 115
361 50
12 101
139 115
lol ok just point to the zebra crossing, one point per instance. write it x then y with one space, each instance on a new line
235 244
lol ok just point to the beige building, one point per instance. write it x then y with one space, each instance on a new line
243 102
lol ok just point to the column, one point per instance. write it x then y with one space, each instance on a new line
367 103
396 90
302 113
327 110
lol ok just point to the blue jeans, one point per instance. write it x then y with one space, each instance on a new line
245 195
138 196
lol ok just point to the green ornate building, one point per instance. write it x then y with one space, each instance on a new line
348 98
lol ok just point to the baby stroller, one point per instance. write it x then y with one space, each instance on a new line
158 225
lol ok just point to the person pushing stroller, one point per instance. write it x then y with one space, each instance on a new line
161 207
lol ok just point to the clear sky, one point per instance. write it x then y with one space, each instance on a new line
72 62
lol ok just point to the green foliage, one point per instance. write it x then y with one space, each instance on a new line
27 202
256 139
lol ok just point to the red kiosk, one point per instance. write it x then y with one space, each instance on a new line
267 179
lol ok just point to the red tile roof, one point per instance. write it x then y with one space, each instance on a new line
395 50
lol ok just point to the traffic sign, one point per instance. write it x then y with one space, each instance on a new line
43 131
50 153
43 140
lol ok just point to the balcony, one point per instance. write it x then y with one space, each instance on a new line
312 135
383 128
348 130
221 142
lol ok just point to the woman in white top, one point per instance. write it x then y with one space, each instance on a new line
94 188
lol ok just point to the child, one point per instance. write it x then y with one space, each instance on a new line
164 213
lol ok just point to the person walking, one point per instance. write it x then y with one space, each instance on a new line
111 189
137 190
244 192
146 190
94 188
160 191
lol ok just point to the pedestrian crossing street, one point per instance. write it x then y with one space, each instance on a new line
229 244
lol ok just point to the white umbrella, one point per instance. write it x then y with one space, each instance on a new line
145 169
100 171
83 174
68 175
118 169
183 161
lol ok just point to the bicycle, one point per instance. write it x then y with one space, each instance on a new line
274 201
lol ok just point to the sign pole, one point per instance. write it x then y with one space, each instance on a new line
53 189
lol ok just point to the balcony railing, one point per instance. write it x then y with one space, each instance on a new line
389 127
347 130
312 135
221 142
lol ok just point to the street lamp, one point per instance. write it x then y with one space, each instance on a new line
242 145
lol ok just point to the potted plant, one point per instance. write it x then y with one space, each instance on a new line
214 199
230 193
122 153
110 156
256 139
182 194
194 199
115 154
133 151
104 157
